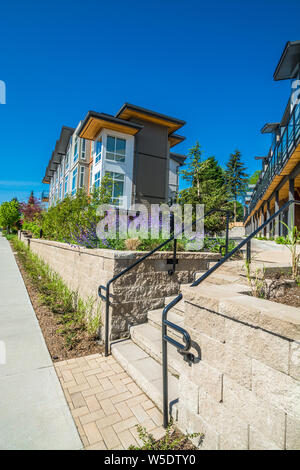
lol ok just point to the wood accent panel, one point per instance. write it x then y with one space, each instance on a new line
173 140
94 126
130 113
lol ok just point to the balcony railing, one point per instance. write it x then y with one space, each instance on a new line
279 155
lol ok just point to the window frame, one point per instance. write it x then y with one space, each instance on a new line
83 149
74 186
98 180
81 177
97 156
76 150
66 183
115 153
123 180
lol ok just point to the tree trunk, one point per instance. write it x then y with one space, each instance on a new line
234 210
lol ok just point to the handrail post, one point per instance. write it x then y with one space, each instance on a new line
248 252
227 232
172 230
106 321
165 376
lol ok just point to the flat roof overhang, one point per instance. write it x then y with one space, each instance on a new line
129 111
262 158
288 61
270 127
178 157
56 157
48 175
63 141
53 165
95 122
175 139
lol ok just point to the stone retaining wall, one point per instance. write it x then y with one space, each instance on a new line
143 288
244 390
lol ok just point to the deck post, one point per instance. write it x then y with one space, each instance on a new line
277 230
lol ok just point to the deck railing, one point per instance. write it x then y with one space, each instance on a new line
279 155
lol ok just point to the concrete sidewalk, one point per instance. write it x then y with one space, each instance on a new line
33 411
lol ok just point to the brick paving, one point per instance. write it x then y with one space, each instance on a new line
106 403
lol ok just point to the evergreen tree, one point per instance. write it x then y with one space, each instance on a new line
206 186
193 171
236 178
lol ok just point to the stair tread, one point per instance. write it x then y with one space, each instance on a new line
149 337
145 371
156 316
179 307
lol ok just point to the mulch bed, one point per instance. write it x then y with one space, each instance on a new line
291 297
185 444
49 323
292 294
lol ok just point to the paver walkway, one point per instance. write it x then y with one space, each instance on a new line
106 404
33 410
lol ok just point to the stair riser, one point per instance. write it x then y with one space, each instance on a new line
178 308
138 378
172 333
174 367
152 390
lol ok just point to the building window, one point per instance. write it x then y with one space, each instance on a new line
76 150
68 155
81 179
97 151
66 184
115 149
97 179
83 149
117 187
60 191
74 181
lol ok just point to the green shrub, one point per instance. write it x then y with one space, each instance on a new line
32 227
74 313
170 441
281 240
217 245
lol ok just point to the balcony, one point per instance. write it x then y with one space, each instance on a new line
45 196
280 153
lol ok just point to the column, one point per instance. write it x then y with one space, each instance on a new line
277 220
268 214
291 213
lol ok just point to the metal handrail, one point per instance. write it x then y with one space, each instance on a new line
189 357
140 260
281 153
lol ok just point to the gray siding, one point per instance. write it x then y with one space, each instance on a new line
151 163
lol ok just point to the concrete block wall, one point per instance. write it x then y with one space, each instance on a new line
143 288
244 390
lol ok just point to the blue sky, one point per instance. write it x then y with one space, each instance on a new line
209 63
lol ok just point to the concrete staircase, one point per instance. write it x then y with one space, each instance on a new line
141 356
